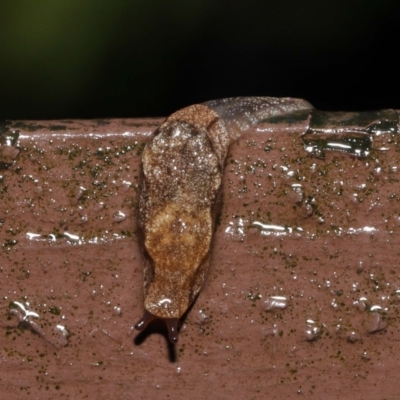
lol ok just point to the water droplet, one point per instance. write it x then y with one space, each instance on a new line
201 318
353 337
327 283
355 143
34 236
22 311
275 303
354 286
72 238
334 304
58 336
375 307
312 331
365 355
274 331
82 192
347 132
119 216
361 303
127 185
375 322
276 230
236 229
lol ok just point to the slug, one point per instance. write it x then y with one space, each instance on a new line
182 169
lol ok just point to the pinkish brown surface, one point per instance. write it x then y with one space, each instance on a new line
323 234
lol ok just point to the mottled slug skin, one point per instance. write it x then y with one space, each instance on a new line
182 174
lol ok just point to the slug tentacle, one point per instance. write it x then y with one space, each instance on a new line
146 320
172 326
171 323
181 185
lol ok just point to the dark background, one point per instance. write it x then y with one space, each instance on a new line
98 59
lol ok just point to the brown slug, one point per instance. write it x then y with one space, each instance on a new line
183 166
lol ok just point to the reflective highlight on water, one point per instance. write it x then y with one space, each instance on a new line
312 330
57 334
74 239
275 303
352 133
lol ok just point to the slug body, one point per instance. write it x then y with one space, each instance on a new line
181 188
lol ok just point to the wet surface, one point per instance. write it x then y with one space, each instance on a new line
303 293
